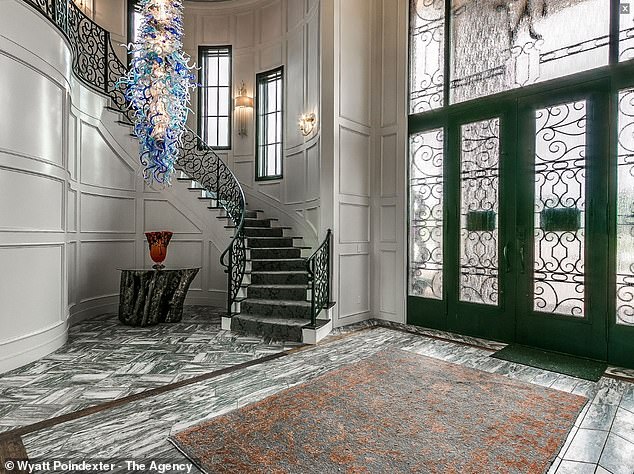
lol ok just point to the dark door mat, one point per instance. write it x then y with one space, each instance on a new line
579 367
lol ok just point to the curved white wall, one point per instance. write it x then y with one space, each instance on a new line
265 34
73 207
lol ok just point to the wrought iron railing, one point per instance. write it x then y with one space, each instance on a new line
319 278
97 65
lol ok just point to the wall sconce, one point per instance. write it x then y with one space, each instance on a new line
307 123
242 103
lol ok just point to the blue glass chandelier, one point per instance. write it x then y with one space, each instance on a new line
157 87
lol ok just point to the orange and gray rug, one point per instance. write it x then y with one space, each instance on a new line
392 412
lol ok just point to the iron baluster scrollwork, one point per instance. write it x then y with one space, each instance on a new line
319 274
198 161
96 64
89 43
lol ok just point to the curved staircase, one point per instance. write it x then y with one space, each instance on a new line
271 289
275 295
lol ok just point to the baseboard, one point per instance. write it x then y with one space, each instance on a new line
93 307
39 345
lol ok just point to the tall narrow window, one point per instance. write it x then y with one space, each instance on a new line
214 96
269 108
134 22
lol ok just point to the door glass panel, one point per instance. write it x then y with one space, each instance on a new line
427 29
496 46
560 170
479 205
426 214
625 212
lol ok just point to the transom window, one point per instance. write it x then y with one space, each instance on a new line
214 96
269 108
488 47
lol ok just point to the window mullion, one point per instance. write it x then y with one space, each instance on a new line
447 53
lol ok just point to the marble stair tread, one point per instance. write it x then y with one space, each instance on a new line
258 228
299 259
267 237
274 320
272 248
291 285
279 272
304 304
275 328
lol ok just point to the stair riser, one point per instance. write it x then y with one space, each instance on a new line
275 310
274 331
250 214
284 252
257 223
279 279
264 232
277 265
281 242
295 294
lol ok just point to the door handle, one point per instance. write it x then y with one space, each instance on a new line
507 262
522 261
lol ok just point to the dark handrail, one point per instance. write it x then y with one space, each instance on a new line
96 64
319 271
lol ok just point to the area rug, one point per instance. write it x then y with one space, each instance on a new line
579 367
393 412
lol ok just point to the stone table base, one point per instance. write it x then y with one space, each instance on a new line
149 297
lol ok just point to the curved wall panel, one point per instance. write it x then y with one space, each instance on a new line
73 207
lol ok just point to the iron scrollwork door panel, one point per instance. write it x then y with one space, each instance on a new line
426 215
621 313
561 233
479 263
479 211
625 210
559 209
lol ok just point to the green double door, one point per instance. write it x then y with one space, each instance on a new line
510 228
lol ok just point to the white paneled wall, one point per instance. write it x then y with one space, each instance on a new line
73 207
389 185
265 34
364 67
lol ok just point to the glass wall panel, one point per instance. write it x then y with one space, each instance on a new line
625 211
626 33
479 209
560 195
426 214
496 46
427 23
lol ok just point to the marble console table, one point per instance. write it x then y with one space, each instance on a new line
149 297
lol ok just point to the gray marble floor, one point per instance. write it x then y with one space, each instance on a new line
601 441
104 360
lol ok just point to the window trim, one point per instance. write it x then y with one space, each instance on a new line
199 115
258 78
133 5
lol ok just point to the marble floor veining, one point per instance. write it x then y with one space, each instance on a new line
104 360
601 441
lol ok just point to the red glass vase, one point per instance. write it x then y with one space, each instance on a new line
158 242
